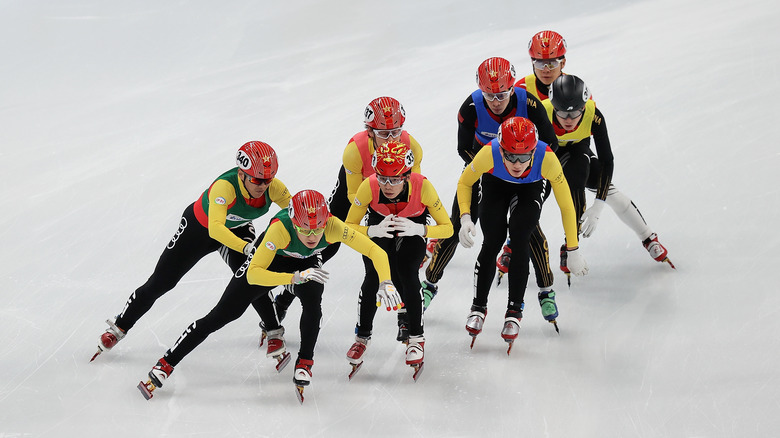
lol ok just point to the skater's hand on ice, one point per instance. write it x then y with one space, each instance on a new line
576 262
382 229
389 295
467 230
315 274
406 227
590 218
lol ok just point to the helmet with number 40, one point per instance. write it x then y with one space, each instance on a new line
257 159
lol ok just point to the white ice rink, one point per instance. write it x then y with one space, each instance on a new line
116 115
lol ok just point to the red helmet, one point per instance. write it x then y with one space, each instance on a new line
257 159
547 44
384 113
495 75
392 158
308 210
517 135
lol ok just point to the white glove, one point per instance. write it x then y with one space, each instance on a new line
316 274
576 262
407 227
389 294
466 228
382 229
590 218
249 249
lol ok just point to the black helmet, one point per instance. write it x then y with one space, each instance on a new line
568 93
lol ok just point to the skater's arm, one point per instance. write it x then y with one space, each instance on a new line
360 203
278 193
482 163
338 231
604 151
276 237
553 172
221 195
443 227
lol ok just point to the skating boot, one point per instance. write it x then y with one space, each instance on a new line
281 303
656 250
302 376
511 327
403 327
276 348
548 306
474 322
429 251
502 263
355 354
109 339
415 353
564 268
429 291
157 377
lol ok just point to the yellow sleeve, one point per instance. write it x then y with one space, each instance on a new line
353 165
338 231
553 172
360 203
443 227
221 195
481 163
417 152
276 236
279 194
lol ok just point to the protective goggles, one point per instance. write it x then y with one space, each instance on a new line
502 96
259 181
392 180
309 232
549 64
518 158
387 133
569 114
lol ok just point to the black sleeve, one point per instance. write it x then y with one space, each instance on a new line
604 151
467 128
538 115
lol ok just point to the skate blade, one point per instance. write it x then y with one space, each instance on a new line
146 388
555 323
96 354
282 362
670 262
299 393
568 279
355 369
262 340
500 276
509 349
418 369
473 338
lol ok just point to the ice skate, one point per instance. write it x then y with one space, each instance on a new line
355 354
428 251
415 352
302 376
474 322
109 339
403 327
657 251
549 308
511 327
157 377
276 348
502 263
429 291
